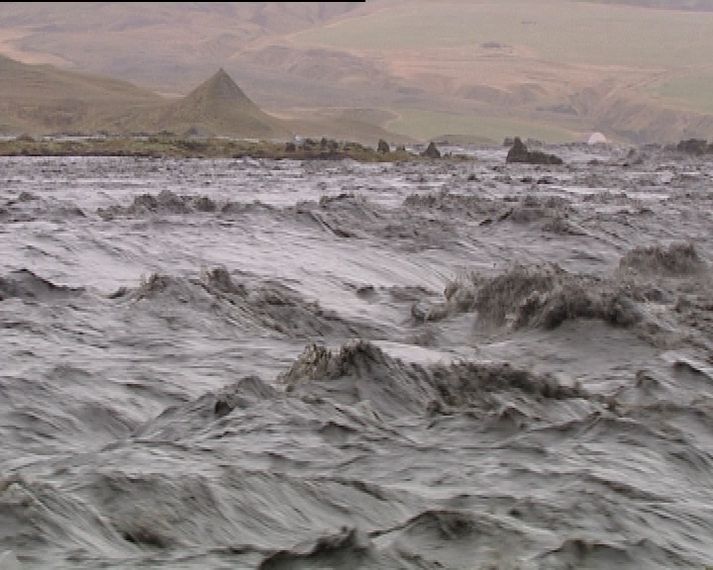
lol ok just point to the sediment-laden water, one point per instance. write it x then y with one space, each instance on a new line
285 365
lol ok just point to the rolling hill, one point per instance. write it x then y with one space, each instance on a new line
41 99
217 106
637 70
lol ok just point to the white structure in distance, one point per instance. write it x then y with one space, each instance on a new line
597 138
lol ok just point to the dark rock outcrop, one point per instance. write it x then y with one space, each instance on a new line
694 146
432 151
383 147
519 153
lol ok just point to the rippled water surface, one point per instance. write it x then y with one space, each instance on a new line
261 364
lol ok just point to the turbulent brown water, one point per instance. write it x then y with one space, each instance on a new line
284 365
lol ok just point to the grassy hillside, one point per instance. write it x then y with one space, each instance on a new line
40 99
218 106
691 5
561 31
29 83
418 123
563 66
552 69
167 46
360 125
692 91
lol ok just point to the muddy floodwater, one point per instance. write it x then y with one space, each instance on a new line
331 365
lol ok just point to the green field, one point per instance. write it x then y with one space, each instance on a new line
693 91
557 30
422 124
